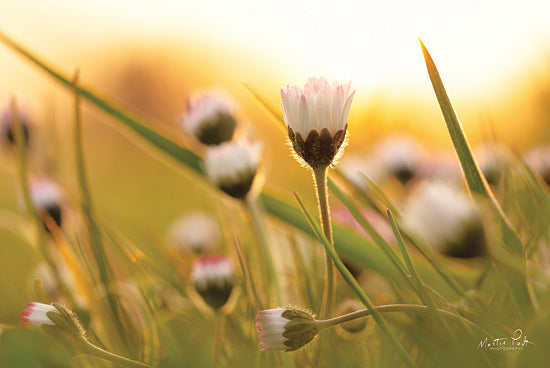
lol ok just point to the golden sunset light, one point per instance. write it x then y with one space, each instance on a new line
297 184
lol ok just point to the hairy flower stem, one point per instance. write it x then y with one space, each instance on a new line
414 308
256 218
320 176
90 349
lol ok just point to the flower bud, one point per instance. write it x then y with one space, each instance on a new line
47 196
447 219
232 166
7 129
401 156
355 325
285 329
213 279
209 118
196 232
317 118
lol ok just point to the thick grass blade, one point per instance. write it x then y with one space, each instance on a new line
135 123
475 179
509 240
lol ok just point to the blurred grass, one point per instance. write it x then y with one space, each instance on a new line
124 173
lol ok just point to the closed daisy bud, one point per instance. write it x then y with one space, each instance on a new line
401 156
355 325
196 232
35 314
209 118
47 196
492 159
447 219
7 129
317 118
285 328
55 315
213 279
232 166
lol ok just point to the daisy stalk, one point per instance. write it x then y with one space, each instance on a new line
58 320
316 117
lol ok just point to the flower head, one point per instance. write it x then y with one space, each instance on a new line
209 118
35 314
401 156
447 220
213 279
317 118
285 328
7 129
232 166
198 232
492 159
47 196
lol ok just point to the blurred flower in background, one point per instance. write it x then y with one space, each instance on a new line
7 129
446 218
232 166
212 277
195 232
209 118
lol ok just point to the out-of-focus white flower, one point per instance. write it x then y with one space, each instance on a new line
47 196
285 329
213 279
7 129
317 118
209 118
197 232
35 314
538 159
232 166
492 159
446 218
401 156
354 167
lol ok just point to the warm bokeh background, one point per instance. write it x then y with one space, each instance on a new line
149 56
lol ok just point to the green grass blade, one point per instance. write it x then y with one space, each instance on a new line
316 228
509 241
96 240
347 243
139 126
375 235
475 179
273 112
420 288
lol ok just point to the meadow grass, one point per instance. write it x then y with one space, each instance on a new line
135 299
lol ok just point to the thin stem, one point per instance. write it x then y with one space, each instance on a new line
256 217
22 166
320 176
323 324
91 349
246 272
